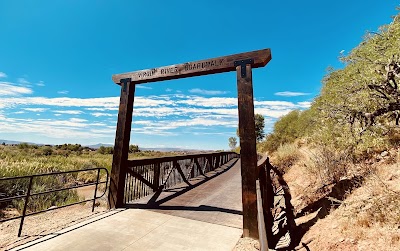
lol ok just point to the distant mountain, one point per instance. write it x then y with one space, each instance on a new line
169 149
12 142
97 146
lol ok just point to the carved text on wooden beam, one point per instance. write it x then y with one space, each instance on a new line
198 68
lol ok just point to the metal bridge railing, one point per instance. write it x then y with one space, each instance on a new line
27 196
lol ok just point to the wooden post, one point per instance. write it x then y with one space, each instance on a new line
157 168
121 145
248 153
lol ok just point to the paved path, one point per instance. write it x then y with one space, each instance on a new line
205 216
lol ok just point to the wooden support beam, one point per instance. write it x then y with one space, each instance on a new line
248 151
178 167
198 68
156 176
190 172
121 145
141 178
198 166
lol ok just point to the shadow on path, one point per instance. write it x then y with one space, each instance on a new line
153 203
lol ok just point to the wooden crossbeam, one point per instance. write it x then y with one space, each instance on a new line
205 165
140 177
198 68
191 166
178 167
199 167
168 174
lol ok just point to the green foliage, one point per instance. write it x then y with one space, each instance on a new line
23 145
288 128
134 149
260 124
105 150
361 102
259 127
47 150
358 109
232 143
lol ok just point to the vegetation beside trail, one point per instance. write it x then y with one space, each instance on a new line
341 156
26 159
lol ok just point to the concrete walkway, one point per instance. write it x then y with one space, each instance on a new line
202 217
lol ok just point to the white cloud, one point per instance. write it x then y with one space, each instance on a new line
3 75
206 92
144 87
168 90
23 81
163 115
71 112
305 104
208 102
102 114
291 94
9 89
63 92
41 83
35 109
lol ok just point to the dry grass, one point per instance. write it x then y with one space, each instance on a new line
326 165
285 156
368 218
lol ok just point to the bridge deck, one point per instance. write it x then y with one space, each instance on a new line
204 216
216 198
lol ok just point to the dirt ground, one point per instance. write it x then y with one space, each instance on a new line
43 224
352 223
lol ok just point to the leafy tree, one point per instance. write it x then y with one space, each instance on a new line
260 124
134 148
23 145
259 127
47 150
232 142
105 150
362 100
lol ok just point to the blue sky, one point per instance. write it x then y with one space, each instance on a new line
57 59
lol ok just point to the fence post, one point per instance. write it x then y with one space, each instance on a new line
121 145
156 177
28 193
95 190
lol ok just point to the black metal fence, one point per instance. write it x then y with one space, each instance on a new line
35 181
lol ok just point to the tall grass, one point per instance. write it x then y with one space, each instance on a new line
285 156
24 159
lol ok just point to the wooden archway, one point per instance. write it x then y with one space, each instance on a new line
241 63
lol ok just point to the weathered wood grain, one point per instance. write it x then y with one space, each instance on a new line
197 68
248 153
121 145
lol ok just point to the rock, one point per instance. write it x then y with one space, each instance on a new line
384 154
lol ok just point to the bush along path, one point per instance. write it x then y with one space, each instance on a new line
281 236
